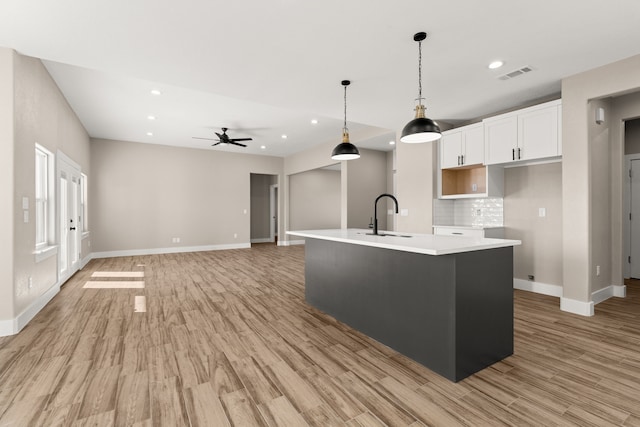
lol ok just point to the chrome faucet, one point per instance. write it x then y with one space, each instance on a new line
375 210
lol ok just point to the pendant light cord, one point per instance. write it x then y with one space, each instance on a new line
345 107
420 72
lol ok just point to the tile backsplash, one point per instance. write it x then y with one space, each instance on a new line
486 212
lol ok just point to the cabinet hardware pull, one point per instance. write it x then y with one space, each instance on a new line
513 154
456 233
519 154
462 159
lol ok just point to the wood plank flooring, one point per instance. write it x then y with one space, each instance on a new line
228 340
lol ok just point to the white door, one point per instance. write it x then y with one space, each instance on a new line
635 219
69 228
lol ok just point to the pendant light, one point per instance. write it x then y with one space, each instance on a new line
345 150
420 129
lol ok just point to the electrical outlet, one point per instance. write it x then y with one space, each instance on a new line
30 282
235 235
597 270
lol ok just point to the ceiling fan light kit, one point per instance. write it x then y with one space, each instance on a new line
420 129
345 150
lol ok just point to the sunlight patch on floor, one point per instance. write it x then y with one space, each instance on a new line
123 284
118 274
140 304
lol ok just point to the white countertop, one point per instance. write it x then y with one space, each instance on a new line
428 244
470 227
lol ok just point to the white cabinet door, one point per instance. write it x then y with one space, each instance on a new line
538 134
473 145
500 140
462 146
450 149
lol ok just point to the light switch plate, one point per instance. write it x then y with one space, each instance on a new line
542 212
25 216
404 212
25 203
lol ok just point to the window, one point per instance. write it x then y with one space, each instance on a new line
84 210
43 206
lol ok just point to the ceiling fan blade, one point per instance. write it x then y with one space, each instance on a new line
208 139
217 143
241 139
219 136
235 143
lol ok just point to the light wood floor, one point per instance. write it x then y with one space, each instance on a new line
227 339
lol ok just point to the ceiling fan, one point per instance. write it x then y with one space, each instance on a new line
224 139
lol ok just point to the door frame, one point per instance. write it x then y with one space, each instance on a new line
64 162
273 211
626 211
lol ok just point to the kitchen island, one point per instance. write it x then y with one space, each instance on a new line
444 301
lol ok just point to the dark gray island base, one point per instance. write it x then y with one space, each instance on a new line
453 313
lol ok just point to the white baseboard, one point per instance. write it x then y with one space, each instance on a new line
7 327
610 291
174 250
262 240
85 261
539 288
290 242
577 307
13 326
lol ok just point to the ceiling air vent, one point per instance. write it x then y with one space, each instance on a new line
515 73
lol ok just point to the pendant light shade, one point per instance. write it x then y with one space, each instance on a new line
420 129
345 150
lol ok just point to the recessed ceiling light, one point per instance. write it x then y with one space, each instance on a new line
496 64
314 121
155 92
392 143
284 136
263 147
149 133
151 117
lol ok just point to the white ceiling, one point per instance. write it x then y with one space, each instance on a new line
265 68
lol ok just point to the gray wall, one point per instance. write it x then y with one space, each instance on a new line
261 205
366 180
527 189
144 195
314 200
579 229
32 109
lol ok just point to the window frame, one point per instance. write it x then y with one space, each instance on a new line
44 196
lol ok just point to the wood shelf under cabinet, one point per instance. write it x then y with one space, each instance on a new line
471 181
462 180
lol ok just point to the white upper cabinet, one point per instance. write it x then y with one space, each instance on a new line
462 146
529 134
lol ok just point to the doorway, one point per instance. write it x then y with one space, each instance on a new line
68 216
634 216
264 208
273 212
